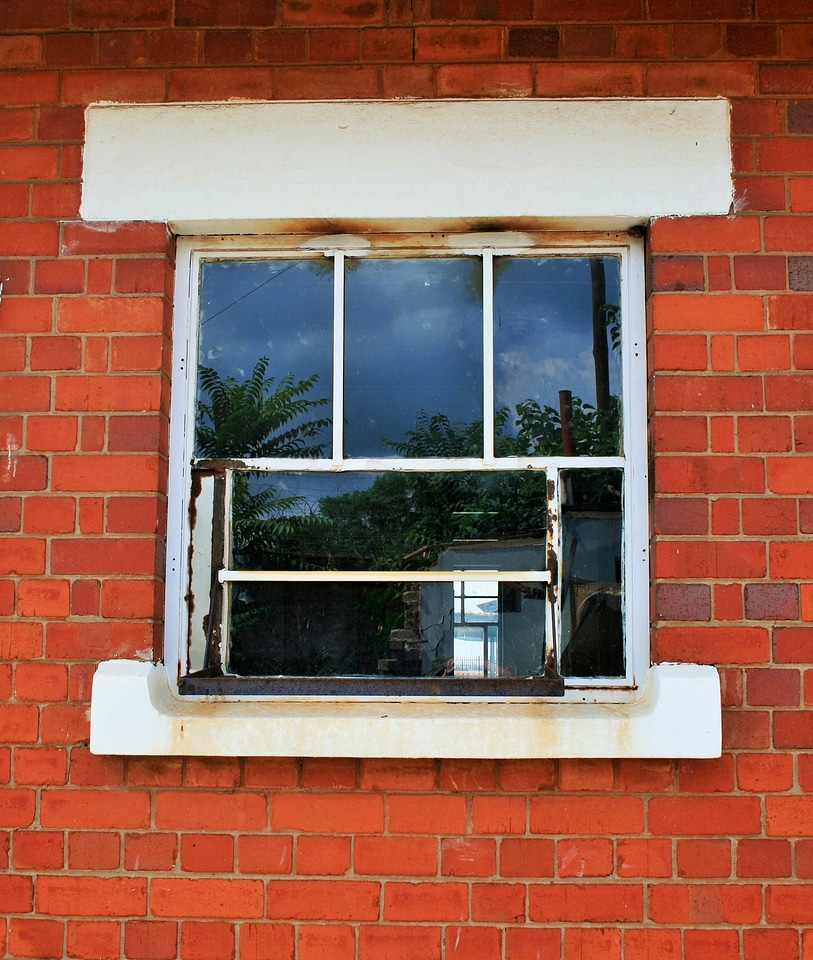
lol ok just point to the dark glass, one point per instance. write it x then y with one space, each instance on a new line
592 634
382 521
413 355
394 521
265 358
556 328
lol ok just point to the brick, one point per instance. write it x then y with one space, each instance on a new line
100 556
706 903
585 903
89 850
150 940
206 898
207 941
230 46
711 234
788 904
643 858
584 857
91 896
526 857
586 815
746 730
710 393
800 273
760 273
680 352
323 900
20 641
652 944
683 601
329 773
261 940
207 853
32 937
485 80
533 43
206 810
272 854
215 83
706 776
498 814
399 856
693 311
764 772
573 79
769 944
425 902
105 393
52 433
316 942
498 902
759 193
320 813
399 775
703 858
704 816
17 806
763 858
526 775
150 851
712 474
37 849
111 315
790 560
97 641
789 312
680 516
41 681
473 943
768 516
801 194
24 473
709 559
400 942
713 644
468 857
793 729
721 944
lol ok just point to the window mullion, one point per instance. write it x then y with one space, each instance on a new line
488 356
338 357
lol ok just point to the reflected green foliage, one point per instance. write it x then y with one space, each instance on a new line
257 418
597 432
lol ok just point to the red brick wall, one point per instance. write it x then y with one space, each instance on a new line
618 860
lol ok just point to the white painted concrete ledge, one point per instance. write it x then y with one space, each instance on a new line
252 167
135 712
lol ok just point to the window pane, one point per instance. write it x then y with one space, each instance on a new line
386 521
556 329
387 629
413 358
592 643
265 358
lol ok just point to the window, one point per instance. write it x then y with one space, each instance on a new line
414 465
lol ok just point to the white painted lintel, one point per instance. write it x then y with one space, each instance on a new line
254 167
135 712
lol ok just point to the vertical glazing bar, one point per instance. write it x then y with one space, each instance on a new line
226 561
338 357
488 355
553 611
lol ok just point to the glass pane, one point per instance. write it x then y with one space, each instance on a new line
386 629
385 521
389 521
557 356
413 358
265 358
592 643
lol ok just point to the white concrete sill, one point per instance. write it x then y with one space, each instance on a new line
134 711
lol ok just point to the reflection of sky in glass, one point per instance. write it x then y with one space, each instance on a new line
543 329
280 309
413 341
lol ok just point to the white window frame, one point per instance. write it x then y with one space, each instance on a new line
193 252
